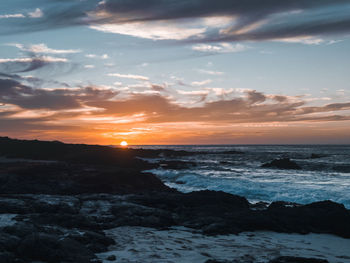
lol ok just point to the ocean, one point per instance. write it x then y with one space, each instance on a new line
324 173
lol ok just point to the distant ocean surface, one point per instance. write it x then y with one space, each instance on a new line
326 177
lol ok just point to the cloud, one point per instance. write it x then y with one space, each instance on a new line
241 20
253 107
94 111
12 16
37 13
151 30
308 40
201 83
201 21
128 76
26 97
44 49
26 60
211 72
104 56
220 48
27 64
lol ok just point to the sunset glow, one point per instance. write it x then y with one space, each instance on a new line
168 75
124 144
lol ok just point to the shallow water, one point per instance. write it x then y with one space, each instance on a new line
326 177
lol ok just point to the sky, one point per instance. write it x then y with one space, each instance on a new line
176 72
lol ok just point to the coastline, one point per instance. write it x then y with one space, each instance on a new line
76 203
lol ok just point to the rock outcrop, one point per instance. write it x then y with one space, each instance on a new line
284 163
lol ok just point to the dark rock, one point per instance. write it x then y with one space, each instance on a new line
21 229
8 242
286 259
284 163
259 205
282 204
319 217
51 248
44 207
316 156
94 241
137 215
342 168
13 206
177 165
180 182
215 200
111 258
7 257
66 220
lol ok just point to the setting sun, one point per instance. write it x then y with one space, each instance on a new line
123 144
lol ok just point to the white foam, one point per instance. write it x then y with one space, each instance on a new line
262 184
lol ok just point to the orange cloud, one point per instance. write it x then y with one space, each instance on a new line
103 115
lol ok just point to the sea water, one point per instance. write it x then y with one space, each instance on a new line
326 177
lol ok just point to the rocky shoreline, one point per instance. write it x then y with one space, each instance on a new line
57 209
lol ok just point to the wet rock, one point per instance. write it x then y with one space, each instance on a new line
13 206
138 215
111 258
177 165
316 156
286 259
7 257
342 168
259 205
215 261
180 182
318 217
21 229
282 204
66 220
215 200
8 242
284 163
52 248
94 241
